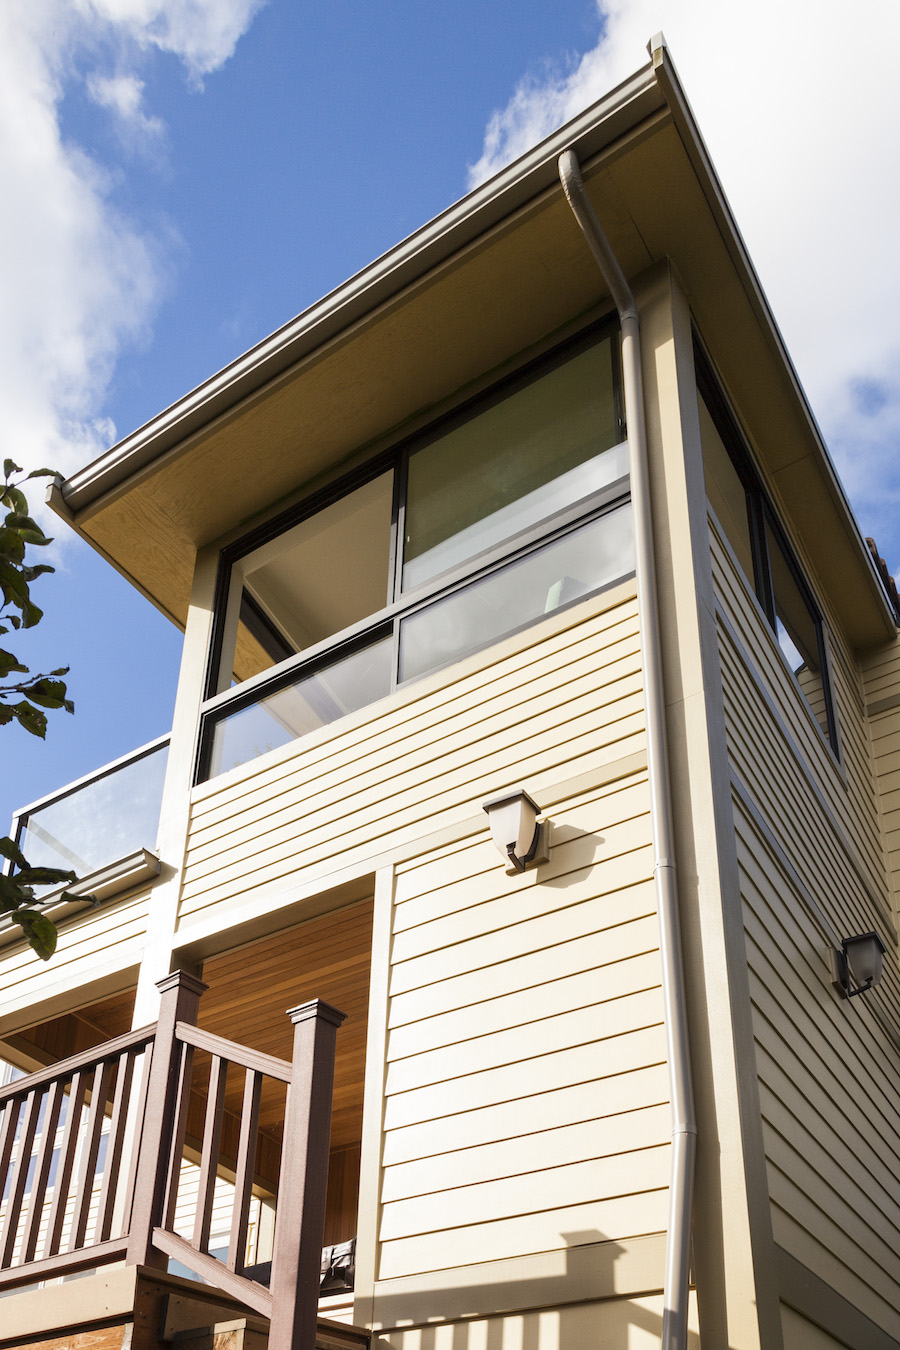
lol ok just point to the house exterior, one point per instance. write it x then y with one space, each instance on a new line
406 538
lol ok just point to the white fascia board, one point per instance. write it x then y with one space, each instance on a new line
625 107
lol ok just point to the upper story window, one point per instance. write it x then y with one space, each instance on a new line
759 542
515 505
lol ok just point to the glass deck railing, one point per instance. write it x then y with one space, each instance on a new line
101 818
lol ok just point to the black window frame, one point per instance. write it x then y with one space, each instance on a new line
761 515
401 603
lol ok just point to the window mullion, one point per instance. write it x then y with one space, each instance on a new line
398 525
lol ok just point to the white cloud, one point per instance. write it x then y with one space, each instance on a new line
124 96
78 280
796 104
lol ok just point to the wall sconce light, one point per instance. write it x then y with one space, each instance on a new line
860 959
522 839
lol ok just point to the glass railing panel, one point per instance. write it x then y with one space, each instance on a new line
100 819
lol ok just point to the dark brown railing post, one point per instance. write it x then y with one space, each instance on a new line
300 1222
179 1002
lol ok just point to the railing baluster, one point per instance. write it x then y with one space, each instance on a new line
96 1116
8 1136
52 1109
19 1178
179 1126
114 1145
65 1164
243 1182
209 1158
138 1119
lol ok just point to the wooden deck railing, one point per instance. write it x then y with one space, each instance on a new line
67 1206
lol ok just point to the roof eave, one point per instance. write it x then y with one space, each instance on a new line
625 107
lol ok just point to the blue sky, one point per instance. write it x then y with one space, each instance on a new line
183 179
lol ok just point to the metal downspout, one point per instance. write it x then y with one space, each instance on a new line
684 1128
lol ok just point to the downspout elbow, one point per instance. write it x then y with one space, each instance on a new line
573 187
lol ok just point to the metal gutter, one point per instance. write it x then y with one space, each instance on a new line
684 1125
625 107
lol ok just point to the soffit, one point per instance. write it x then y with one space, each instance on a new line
249 989
530 278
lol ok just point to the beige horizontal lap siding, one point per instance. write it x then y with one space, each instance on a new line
91 944
561 698
801 1334
525 1092
829 1091
881 676
848 789
812 870
632 1322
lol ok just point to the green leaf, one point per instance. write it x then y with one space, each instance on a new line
10 467
40 931
43 876
30 718
41 473
13 893
46 693
10 849
31 615
8 662
11 580
15 498
12 545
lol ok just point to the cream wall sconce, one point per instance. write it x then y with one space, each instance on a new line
522 839
858 959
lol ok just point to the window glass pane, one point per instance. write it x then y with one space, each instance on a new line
312 701
518 594
315 580
725 491
797 631
522 459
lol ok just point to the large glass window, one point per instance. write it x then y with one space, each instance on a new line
509 509
318 578
761 548
524 458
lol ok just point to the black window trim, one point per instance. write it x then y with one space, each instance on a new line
399 604
762 514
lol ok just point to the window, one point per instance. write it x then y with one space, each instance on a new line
514 506
762 550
